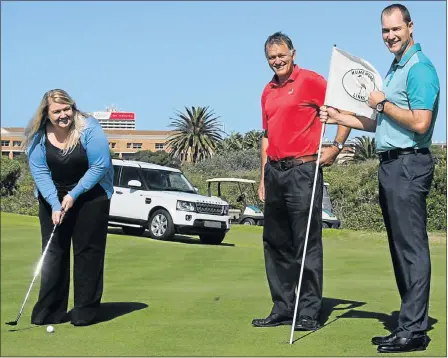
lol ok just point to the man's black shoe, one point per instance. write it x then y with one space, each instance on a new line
384 339
85 320
306 323
401 344
82 322
273 320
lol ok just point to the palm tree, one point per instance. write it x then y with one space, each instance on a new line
197 134
365 148
232 142
252 139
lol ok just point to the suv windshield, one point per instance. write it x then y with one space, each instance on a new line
157 179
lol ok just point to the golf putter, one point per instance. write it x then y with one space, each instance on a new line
36 273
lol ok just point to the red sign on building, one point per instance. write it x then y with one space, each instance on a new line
122 115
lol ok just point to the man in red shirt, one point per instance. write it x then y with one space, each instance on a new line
290 108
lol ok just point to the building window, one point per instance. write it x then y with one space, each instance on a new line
16 143
159 146
5 143
128 145
113 145
137 145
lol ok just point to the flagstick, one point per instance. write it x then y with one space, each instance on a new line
306 236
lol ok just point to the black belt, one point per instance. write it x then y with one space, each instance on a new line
288 163
395 153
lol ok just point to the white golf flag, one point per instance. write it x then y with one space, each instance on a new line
350 81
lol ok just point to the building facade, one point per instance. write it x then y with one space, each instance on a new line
122 142
125 143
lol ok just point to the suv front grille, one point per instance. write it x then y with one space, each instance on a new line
212 209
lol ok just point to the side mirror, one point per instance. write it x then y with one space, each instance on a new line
134 184
196 190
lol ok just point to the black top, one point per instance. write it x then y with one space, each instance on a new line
66 170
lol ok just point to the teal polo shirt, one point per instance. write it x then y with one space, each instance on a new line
410 84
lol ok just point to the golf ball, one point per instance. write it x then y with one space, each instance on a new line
50 329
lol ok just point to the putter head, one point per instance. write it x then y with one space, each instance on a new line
12 323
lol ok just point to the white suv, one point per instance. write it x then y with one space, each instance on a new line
162 200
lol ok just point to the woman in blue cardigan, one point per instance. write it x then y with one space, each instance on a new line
70 162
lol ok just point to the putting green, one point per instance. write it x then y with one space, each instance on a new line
182 298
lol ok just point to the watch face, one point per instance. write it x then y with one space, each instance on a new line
379 107
338 145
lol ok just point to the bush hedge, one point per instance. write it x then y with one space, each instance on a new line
353 188
21 199
10 172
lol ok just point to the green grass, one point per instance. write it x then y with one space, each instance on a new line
181 298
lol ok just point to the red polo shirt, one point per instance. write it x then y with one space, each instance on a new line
291 114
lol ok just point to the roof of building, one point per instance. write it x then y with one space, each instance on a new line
136 132
13 129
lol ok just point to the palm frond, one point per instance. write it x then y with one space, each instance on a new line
365 148
197 134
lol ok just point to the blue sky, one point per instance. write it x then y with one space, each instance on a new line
153 58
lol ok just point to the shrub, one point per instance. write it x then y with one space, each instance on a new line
354 194
159 157
10 172
22 199
353 190
224 163
436 202
355 197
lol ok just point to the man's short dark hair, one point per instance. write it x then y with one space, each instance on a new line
278 38
403 9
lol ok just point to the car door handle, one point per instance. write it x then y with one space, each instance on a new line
118 192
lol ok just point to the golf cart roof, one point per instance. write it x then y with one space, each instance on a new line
230 180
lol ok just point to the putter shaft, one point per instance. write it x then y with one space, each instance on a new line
36 273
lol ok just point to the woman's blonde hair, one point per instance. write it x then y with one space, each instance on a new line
40 119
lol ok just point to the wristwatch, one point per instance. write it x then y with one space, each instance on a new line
338 145
380 106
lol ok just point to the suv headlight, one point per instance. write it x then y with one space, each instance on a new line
225 209
185 206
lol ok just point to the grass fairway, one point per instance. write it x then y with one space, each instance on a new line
182 298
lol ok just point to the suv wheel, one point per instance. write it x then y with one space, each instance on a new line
248 221
161 225
133 231
212 239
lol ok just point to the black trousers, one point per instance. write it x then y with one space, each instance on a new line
86 224
404 184
287 204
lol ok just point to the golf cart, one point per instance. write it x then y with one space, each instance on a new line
329 220
246 208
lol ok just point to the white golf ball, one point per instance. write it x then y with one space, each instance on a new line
50 329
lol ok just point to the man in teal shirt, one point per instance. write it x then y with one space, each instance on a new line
407 111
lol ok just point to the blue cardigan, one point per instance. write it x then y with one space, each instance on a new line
101 171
